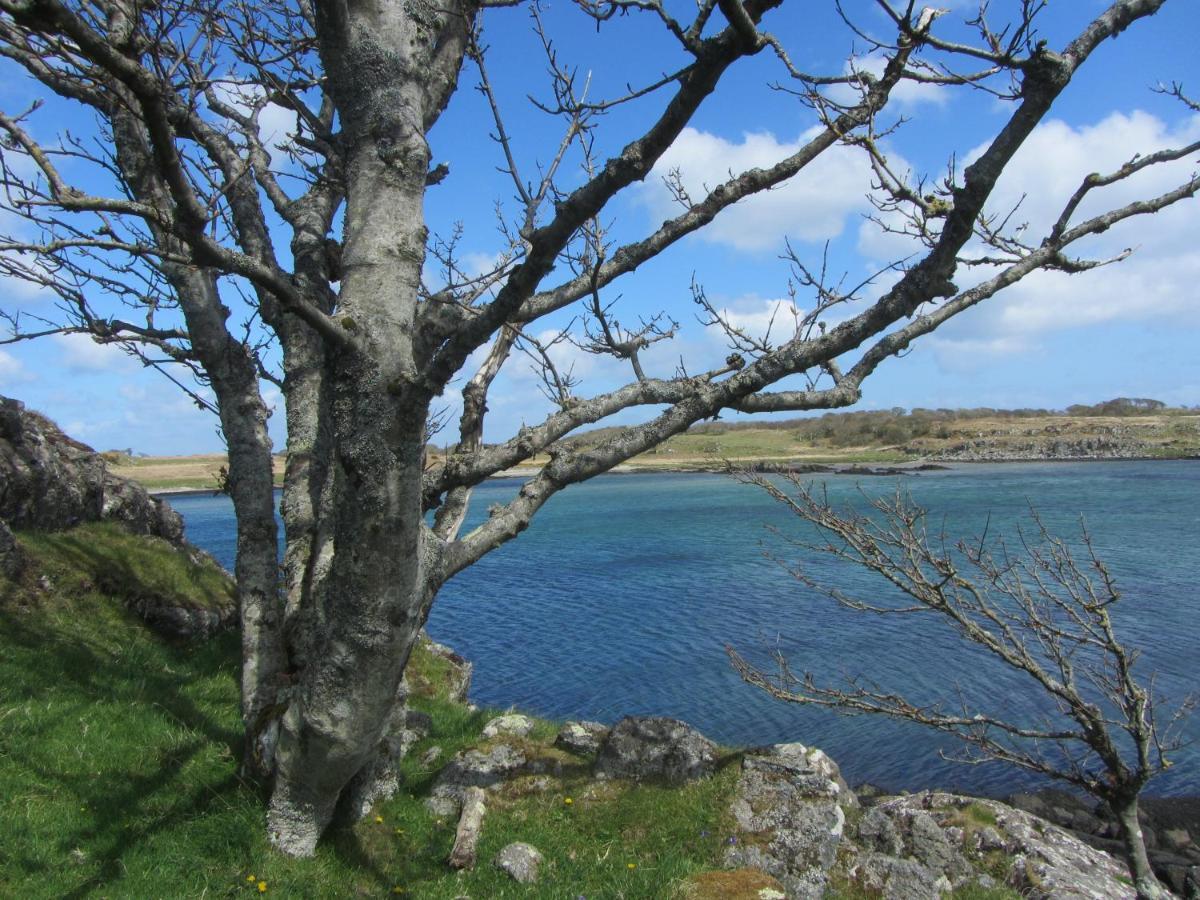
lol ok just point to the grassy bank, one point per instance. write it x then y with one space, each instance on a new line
118 775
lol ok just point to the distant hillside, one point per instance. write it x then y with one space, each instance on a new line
1123 428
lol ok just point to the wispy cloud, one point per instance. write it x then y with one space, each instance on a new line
812 206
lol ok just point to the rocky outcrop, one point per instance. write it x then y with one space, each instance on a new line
49 482
931 843
473 768
1096 447
797 821
798 830
182 623
790 812
1168 827
655 747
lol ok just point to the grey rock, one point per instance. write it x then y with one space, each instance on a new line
896 879
867 791
925 843
878 832
1047 861
789 813
48 481
520 861
51 482
1177 838
473 768
655 747
581 738
182 622
988 839
129 503
513 723
418 722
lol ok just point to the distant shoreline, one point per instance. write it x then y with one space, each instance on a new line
872 470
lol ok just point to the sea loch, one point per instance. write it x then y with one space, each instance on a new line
622 595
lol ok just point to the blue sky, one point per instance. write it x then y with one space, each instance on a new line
1053 340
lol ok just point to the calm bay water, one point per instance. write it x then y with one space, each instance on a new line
622 595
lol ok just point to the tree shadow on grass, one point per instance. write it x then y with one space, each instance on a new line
72 672
64 667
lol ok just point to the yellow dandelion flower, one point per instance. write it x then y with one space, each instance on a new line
397 890
379 820
631 866
250 878
399 831
262 887
567 801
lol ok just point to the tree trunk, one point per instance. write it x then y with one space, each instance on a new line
1144 881
307 485
234 379
374 607
334 726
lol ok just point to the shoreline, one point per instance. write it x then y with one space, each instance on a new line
879 469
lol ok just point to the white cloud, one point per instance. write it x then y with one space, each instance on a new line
80 354
906 93
1054 160
17 294
13 371
812 206
276 123
1156 284
762 319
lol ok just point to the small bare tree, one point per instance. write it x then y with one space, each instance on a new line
1040 608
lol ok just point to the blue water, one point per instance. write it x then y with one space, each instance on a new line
622 595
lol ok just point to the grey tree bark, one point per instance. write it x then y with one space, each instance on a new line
1145 882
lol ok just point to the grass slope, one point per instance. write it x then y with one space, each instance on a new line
118 775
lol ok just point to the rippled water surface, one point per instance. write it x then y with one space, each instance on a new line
622 595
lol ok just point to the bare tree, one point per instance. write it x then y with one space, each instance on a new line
149 230
1039 609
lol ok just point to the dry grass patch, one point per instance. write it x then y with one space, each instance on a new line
737 884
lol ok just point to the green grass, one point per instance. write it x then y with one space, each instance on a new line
101 561
118 768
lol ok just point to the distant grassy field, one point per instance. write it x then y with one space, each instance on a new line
199 473
858 437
